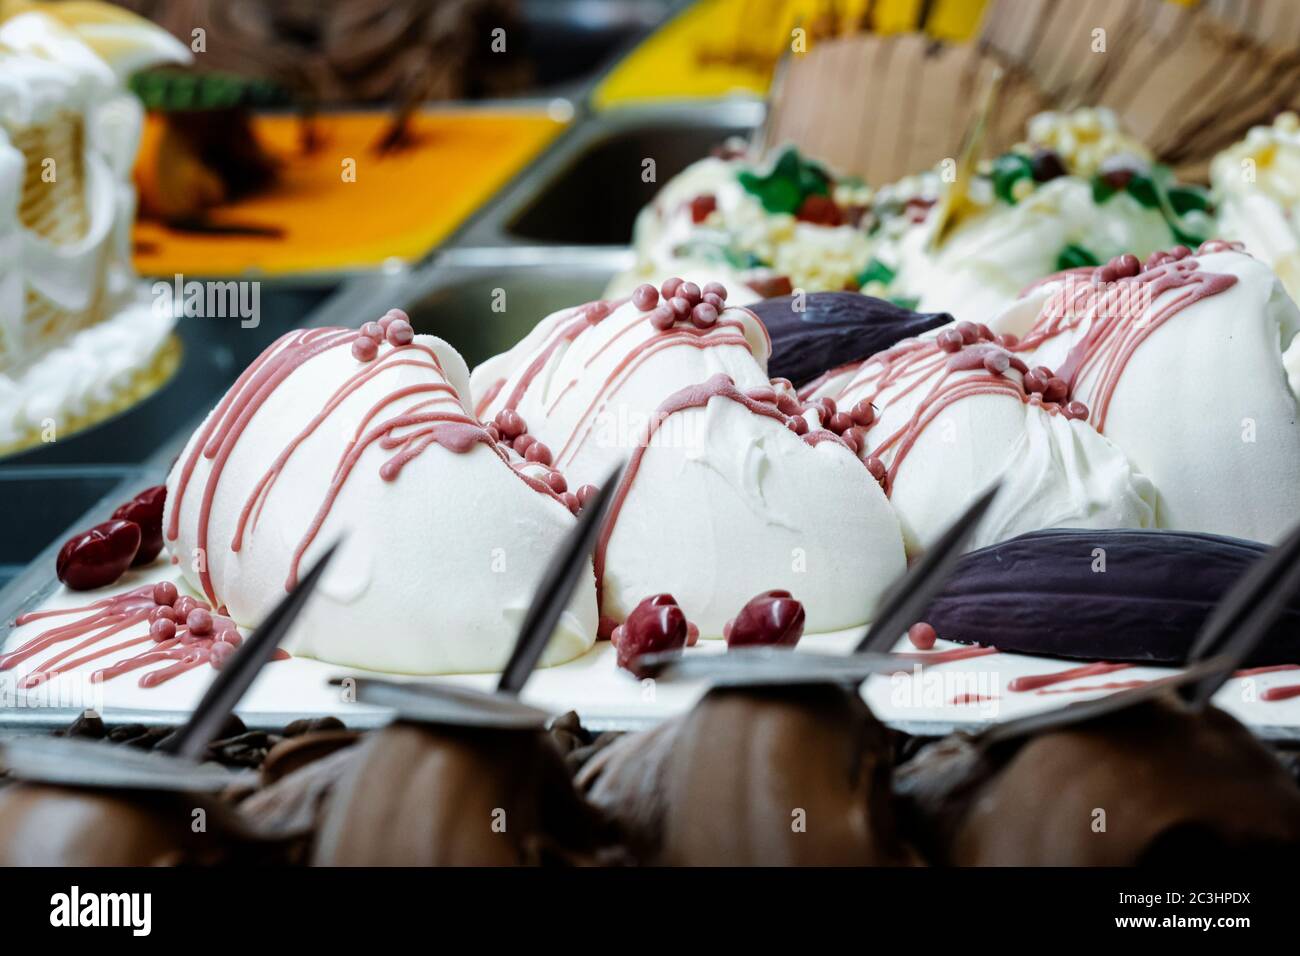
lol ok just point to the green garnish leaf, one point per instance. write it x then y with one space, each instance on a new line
1009 169
791 180
876 271
1075 257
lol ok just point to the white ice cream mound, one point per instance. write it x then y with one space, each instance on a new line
1257 191
730 490
944 416
705 220
1188 364
335 434
65 234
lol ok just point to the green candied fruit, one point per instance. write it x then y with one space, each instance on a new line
1185 198
905 301
876 271
791 180
1075 257
1009 169
1145 190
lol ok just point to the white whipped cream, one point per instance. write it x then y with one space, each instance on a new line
1204 407
437 567
746 506
593 396
1056 473
1257 188
988 259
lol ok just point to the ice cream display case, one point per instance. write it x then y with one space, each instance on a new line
645 460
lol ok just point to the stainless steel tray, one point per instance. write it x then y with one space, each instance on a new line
587 188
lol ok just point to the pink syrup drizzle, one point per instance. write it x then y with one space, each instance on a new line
1118 326
104 619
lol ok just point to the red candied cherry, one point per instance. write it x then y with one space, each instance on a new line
146 510
199 621
704 316
164 594
399 333
162 629
922 636
863 413
510 424
364 348
99 556
656 624
645 297
820 211
773 617
702 206
585 494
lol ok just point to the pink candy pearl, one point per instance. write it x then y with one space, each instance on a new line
523 443
1076 410
670 287
373 330
571 501
184 604
716 288
162 629
681 306
220 653
557 482
968 331
586 493
511 425
877 468
704 315
690 292
199 622
364 349
949 340
839 423
645 297
400 333
922 636
663 317
539 453
798 424
997 362
162 613
863 413
164 593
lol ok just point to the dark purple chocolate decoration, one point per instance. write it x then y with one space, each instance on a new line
1043 593
834 329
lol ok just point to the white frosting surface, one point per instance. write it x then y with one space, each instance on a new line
593 397
438 566
1204 406
742 506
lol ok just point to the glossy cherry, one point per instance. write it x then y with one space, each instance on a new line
146 510
656 624
99 556
773 617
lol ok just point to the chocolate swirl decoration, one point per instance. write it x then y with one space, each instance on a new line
354 51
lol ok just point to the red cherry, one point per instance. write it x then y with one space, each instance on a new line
99 556
701 206
773 617
820 210
146 510
656 624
